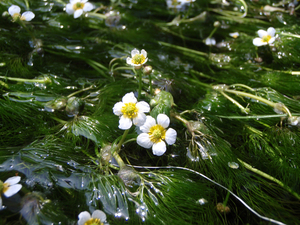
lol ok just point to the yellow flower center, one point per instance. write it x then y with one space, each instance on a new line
129 110
93 221
5 187
266 38
157 133
138 59
78 5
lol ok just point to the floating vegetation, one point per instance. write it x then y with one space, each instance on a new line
149 112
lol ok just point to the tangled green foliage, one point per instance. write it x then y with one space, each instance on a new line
232 104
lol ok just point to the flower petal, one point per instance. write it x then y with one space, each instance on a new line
134 52
128 61
144 140
13 180
140 119
88 7
117 108
0 202
99 215
125 123
259 42
12 190
150 121
69 9
262 33
159 148
143 106
171 135
271 31
129 97
144 53
14 9
83 217
78 13
271 40
163 120
28 15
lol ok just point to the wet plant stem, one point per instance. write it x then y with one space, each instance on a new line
82 90
139 74
227 195
25 80
269 177
243 109
116 150
272 104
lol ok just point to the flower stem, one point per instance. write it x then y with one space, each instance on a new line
269 177
139 73
116 150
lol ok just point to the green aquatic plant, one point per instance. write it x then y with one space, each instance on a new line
80 107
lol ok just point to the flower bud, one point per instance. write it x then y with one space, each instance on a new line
74 106
147 70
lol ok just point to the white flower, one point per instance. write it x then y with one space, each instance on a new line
265 37
137 59
10 187
98 218
78 7
210 41
185 1
234 35
15 10
155 135
130 110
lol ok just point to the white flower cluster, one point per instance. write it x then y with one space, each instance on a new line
15 10
154 134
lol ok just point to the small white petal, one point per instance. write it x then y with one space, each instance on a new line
139 120
163 120
210 41
234 35
134 52
69 9
129 97
74 1
98 214
117 108
88 7
125 123
14 9
84 1
13 180
150 122
128 60
144 140
272 40
262 33
159 148
28 15
78 13
83 217
12 190
145 60
271 31
171 135
259 42
143 106
144 53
